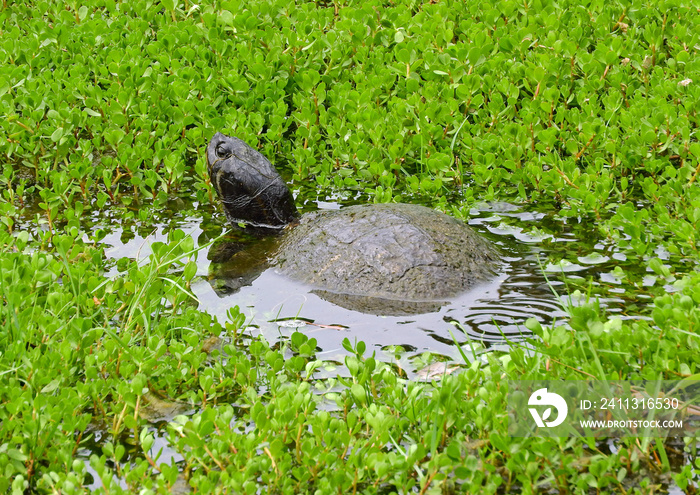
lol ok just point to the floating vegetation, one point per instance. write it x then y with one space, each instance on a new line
565 131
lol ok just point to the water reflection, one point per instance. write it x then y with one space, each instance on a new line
492 313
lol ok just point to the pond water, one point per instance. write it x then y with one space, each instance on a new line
542 254
489 316
545 256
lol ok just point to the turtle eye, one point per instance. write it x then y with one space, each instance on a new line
222 151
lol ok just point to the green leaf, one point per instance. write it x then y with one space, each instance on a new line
359 393
226 17
57 135
51 386
16 455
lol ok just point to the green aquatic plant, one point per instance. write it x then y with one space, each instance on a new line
585 112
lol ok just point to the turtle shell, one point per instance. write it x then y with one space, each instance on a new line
379 258
401 252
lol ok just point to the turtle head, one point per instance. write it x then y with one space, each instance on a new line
248 185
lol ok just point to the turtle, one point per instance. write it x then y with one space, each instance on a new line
384 258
